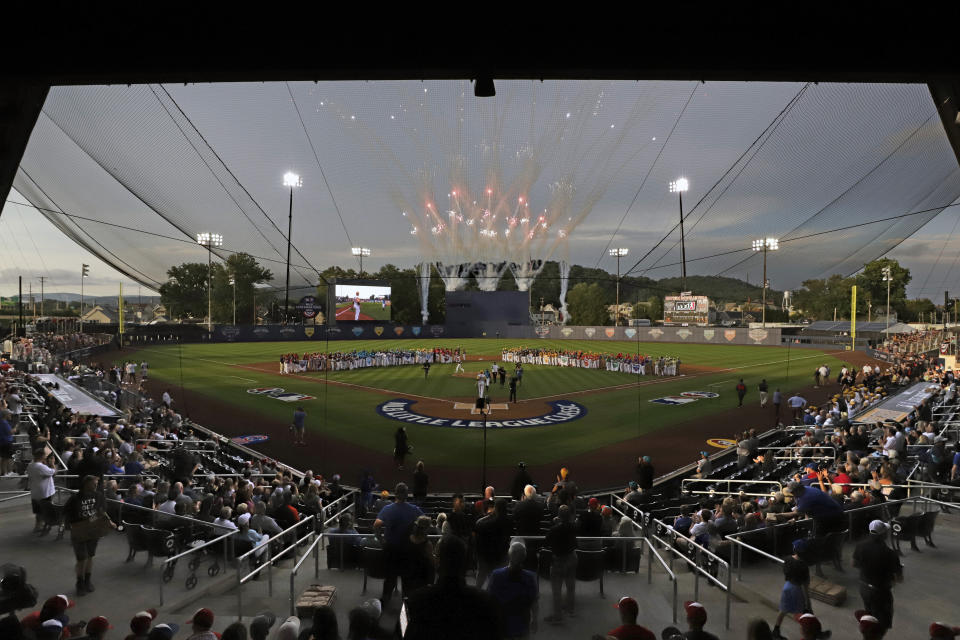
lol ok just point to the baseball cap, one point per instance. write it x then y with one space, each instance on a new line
629 605
373 607
671 633
262 622
140 623
592 502
800 545
868 623
808 621
695 612
51 628
98 624
878 527
941 630
203 617
163 631
633 484
243 518
58 603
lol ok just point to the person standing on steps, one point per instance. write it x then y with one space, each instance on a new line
85 513
741 391
400 446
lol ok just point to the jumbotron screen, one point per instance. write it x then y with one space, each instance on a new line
691 310
359 302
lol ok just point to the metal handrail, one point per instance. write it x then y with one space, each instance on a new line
271 558
673 578
16 497
697 569
729 481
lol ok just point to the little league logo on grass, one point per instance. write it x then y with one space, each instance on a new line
561 411
685 397
277 393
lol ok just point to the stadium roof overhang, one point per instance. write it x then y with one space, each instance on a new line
101 44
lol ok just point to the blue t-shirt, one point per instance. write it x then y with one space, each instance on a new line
817 504
397 519
956 459
515 598
6 432
298 418
133 468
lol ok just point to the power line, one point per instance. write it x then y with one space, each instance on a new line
765 135
646 176
319 166
240 184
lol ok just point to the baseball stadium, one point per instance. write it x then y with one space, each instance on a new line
520 350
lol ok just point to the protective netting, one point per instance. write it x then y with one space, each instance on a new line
555 170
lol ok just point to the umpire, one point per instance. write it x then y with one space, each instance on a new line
879 568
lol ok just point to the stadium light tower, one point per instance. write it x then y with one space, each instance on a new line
290 179
233 281
84 274
360 252
618 253
887 277
765 245
209 240
678 186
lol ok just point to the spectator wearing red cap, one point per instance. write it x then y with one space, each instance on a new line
591 525
696 619
140 624
96 629
879 568
870 628
942 630
629 629
202 622
53 607
810 627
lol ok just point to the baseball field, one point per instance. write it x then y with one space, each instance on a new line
590 418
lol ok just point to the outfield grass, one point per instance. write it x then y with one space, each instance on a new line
221 371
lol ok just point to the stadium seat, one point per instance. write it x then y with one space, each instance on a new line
136 539
906 528
925 528
374 565
590 567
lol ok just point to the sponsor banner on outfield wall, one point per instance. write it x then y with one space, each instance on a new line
695 335
404 410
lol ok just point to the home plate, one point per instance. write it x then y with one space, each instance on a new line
467 406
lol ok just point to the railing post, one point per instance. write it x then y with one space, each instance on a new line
270 573
729 585
649 562
239 592
696 576
161 582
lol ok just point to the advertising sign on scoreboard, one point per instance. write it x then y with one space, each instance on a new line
686 310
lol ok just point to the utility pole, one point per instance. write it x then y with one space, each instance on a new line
33 304
888 278
42 278
21 330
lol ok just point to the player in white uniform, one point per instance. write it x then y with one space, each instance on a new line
356 307
459 368
481 385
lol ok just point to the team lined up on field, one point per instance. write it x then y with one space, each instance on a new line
622 362
349 360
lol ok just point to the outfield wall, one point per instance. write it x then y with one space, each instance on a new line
389 331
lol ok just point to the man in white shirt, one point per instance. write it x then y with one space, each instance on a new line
167 400
41 472
481 385
224 519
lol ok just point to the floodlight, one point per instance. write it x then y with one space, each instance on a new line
207 239
290 179
360 251
679 185
617 253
